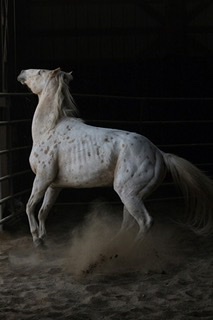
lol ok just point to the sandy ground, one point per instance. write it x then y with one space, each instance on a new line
84 274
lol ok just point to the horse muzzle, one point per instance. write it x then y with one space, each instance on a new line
21 77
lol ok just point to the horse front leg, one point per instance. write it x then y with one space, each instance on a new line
49 199
38 191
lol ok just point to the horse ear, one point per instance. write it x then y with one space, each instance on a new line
55 72
68 76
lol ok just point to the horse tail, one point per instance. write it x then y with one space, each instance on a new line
197 189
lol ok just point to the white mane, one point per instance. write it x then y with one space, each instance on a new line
63 103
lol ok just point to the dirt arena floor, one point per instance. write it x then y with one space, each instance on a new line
84 274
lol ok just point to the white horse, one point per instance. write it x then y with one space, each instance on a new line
67 153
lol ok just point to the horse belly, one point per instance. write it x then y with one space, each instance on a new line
88 174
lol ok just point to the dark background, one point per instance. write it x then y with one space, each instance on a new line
158 48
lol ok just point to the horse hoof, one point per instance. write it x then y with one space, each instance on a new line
40 244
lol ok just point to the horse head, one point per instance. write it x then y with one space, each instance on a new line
37 79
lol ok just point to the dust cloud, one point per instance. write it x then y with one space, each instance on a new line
87 272
95 246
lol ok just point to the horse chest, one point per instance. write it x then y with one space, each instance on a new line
43 158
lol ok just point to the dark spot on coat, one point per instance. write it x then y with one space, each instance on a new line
47 150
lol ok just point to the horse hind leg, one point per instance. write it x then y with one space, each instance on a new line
141 215
145 224
132 192
135 207
128 221
134 211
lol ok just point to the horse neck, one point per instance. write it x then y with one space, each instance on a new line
45 116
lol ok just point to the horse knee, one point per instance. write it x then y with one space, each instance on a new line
30 207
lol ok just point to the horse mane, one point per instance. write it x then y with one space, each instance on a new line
64 105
